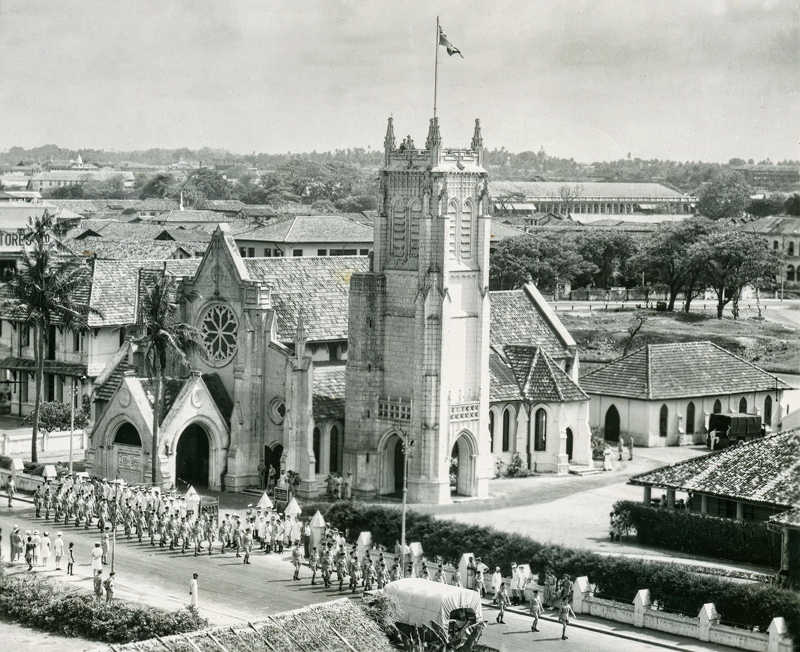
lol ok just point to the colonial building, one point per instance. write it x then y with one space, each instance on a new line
663 394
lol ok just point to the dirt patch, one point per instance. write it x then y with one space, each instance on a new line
17 637
771 341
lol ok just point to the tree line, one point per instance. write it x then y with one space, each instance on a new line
679 258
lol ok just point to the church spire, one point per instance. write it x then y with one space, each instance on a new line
434 140
389 141
477 141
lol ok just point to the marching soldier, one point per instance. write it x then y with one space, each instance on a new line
297 560
313 560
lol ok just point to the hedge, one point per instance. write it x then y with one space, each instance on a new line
674 587
748 541
36 602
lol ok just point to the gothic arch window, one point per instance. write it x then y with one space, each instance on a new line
790 273
717 407
663 416
333 458
452 229
690 418
415 224
743 405
317 450
220 329
398 227
540 430
768 410
506 430
791 249
466 236
491 432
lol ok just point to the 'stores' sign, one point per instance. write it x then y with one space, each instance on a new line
11 240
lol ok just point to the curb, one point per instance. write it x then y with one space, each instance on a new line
601 630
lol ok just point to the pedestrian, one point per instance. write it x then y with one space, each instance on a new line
98 584
620 448
108 585
58 549
313 562
480 577
514 585
497 582
29 550
46 547
97 559
11 489
630 448
502 601
70 559
536 610
608 465
194 598
262 474
247 545
347 485
565 612
337 484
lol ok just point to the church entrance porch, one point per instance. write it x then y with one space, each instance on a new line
127 454
192 457
392 463
462 466
272 459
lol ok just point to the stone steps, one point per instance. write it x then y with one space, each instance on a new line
583 470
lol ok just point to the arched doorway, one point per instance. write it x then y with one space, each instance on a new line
272 458
462 466
192 457
570 441
127 452
611 430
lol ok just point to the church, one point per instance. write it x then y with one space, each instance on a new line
398 367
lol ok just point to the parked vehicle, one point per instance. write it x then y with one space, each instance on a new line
728 429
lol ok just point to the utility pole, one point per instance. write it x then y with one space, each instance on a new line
406 454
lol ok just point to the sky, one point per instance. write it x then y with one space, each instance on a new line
585 79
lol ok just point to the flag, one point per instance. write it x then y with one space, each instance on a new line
451 49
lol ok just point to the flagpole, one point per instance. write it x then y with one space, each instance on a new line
436 68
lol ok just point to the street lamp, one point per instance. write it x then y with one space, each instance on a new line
407 446
73 396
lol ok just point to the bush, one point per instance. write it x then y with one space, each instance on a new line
598 447
674 587
517 468
35 602
748 541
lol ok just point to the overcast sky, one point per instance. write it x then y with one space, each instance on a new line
588 79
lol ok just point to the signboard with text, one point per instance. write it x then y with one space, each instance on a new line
281 494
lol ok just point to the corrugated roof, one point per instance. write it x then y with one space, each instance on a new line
679 370
765 470
587 190
317 286
328 392
772 225
311 228
516 319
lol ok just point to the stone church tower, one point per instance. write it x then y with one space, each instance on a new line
419 327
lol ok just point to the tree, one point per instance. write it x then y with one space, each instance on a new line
665 257
568 194
726 195
792 204
205 184
734 259
547 259
45 292
607 253
774 204
159 186
163 338
55 415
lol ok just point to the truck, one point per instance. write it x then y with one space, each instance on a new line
731 428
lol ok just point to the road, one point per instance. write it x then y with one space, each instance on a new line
232 592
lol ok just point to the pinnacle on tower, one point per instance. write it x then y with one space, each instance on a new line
389 142
434 139
477 138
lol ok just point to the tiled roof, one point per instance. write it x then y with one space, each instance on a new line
790 518
312 228
172 387
528 373
220 395
319 286
765 470
116 230
516 318
50 366
679 370
176 217
182 234
588 190
105 391
134 249
328 398
222 205
258 210
502 231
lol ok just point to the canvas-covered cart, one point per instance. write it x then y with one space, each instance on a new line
450 613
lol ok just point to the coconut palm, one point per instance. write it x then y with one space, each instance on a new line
47 290
162 338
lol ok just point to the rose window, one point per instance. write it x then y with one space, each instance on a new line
219 327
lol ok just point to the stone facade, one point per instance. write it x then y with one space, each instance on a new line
419 327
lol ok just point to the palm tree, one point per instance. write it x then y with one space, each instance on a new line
164 337
45 291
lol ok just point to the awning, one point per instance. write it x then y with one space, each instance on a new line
50 366
647 207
